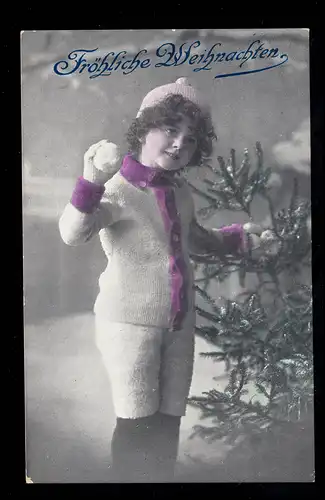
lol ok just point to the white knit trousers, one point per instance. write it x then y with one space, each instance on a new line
150 368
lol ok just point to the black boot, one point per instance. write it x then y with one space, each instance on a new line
145 449
131 449
166 446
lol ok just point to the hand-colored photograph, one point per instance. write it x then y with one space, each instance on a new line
167 256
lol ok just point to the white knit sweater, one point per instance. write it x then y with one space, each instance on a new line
136 285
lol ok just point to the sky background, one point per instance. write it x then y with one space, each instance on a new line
69 415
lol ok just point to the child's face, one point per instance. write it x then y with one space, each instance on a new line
169 147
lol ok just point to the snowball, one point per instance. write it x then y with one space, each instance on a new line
107 156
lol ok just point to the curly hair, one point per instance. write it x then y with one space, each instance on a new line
169 112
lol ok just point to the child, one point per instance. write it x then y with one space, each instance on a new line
145 314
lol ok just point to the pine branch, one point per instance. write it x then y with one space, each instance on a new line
236 191
230 267
206 314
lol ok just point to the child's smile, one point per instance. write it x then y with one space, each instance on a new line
169 147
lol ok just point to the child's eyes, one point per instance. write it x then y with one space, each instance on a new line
190 140
173 131
170 130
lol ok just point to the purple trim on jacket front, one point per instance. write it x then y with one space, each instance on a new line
159 179
86 195
177 267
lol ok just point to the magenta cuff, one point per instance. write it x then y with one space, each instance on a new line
86 195
233 238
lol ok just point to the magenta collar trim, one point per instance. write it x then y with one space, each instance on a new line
142 176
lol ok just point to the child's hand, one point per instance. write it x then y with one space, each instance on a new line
253 243
101 162
261 243
270 243
252 228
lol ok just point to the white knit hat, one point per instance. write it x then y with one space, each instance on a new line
182 87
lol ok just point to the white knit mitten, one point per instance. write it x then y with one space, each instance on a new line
101 162
253 246
270 243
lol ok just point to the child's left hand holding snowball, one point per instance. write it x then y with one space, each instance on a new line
260 243
252 241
